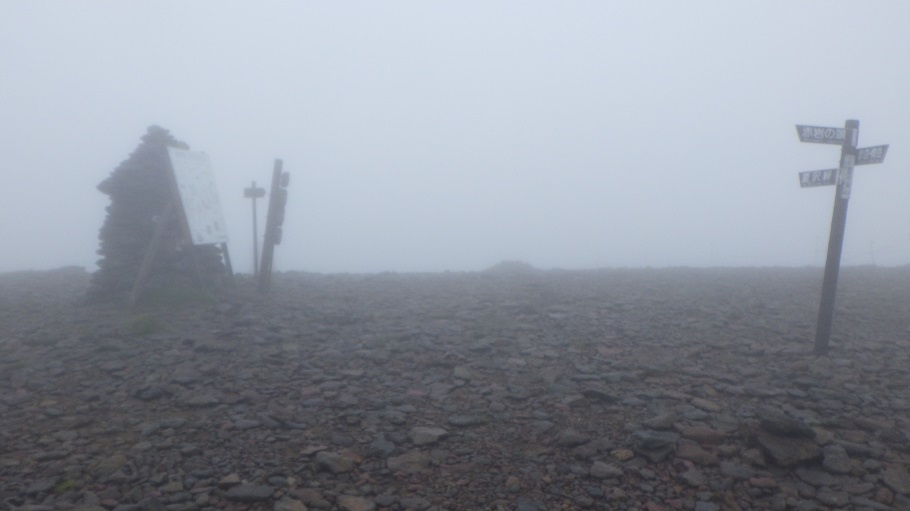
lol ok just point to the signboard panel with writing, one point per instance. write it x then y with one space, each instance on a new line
824 177
821 134
874 154
199 196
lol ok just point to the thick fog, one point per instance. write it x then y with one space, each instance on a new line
430 136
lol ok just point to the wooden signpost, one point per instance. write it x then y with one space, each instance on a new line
255 193
846 137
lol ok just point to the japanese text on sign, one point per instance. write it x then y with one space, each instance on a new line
817 178
867 155
845 176
821 134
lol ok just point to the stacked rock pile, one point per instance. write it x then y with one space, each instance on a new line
140 190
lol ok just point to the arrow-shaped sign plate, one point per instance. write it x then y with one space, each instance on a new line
818 178
821 134
867 155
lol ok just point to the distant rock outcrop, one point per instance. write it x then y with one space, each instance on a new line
511 267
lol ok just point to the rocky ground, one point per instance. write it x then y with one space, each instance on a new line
510 389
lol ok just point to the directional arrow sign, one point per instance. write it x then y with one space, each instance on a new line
253 192
818 178
867 155
821 134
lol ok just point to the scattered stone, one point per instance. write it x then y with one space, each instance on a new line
107 466
623 454
288 504
784 425
571 438
647 439
703 434
599 395
815 476
243 424
655 445
897 478
50 455
385 500
250 493
415 503
787 451
381 448
836 460
663 421
410 462
352 503
464 421
229 480
150 392
689 450
202 400
736 471
830 497
541 426
525 504
705 405
694 478
463 373
424 436
601 470
334 463
41 486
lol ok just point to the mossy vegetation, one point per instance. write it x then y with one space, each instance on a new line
145 324
65 486
155 312
176 297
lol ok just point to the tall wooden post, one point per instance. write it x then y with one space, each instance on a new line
278 196
836 237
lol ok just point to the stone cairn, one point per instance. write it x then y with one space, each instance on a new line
140 189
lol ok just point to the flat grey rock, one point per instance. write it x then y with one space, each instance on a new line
250 493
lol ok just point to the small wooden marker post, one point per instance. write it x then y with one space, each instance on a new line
152 251
254 193
842 176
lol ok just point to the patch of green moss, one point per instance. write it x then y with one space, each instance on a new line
65 486
146 324
176 297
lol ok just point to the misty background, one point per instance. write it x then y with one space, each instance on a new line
430 136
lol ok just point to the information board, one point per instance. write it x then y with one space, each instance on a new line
198 196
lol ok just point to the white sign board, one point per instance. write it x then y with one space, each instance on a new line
821 134
199 196
818 178
867 155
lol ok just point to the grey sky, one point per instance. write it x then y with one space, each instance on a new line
424 136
